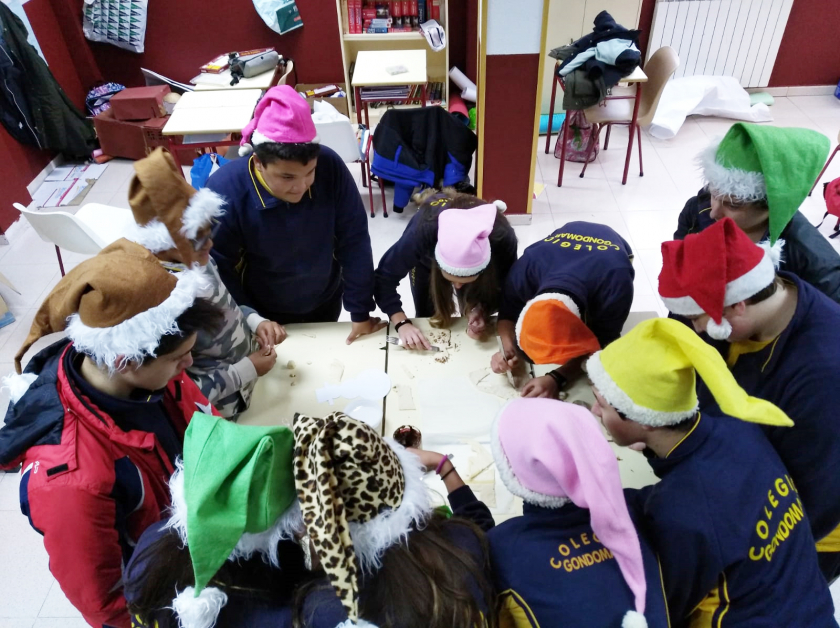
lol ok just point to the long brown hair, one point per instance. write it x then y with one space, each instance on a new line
485 291
428 581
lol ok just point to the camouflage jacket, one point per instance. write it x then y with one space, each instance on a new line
221 367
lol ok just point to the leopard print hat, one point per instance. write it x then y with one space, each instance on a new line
359 494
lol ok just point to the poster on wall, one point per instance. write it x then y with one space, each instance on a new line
281 16
121 23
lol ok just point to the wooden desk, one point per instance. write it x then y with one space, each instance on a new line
210 112
370 71
637 77
321 356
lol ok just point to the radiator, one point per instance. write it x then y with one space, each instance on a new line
737 38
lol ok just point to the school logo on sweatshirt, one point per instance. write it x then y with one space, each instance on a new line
782 514
580 552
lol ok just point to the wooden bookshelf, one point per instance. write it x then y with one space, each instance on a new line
437 63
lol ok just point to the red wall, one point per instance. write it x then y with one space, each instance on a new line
508 150
22 164
181 35
808 52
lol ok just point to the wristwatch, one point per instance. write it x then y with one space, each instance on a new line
401 323
558 379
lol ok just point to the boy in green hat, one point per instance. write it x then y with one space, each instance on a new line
758 176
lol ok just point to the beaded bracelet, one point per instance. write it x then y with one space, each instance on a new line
442 462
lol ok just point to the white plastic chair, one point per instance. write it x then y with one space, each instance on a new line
90 230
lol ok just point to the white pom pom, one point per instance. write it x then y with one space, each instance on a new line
18 384
773 252
245 150
359 623
501 206
634 620
201 611
719 332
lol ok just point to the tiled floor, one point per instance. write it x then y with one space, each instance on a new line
644 212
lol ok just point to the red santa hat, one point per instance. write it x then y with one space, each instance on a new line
713 269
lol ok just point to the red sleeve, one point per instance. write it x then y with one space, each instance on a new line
85 554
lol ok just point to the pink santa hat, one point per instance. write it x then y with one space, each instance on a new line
549 453
281 116
463 247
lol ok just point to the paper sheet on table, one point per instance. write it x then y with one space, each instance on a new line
77 188
51 193
453 409
720 96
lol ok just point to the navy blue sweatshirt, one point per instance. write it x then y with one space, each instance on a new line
264 597
797 372
276 256
589 262
727 523
416 247
548 564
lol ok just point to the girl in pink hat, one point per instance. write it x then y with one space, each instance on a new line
574 557
453 242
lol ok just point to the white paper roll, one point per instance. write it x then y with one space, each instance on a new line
460 79
470 94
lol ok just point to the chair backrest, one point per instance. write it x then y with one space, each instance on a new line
341 138
659 69
63 230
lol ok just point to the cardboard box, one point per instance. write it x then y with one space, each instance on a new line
339 103
139 103
131 139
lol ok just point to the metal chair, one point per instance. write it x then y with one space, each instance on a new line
618 109
90 230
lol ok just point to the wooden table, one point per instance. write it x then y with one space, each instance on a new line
321 356
210 113
637 78
452 397
370 71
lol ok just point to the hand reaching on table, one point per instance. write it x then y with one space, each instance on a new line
413 338
269 334
370 326
263 362
545 386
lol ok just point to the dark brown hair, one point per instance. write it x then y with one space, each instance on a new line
269 152
484 291
202 315
765 293
428 581
167 568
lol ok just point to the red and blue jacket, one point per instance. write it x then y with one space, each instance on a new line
87 486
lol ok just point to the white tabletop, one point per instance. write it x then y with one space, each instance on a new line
321 356
371 67
212 112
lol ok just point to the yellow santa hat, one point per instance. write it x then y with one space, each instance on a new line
649 376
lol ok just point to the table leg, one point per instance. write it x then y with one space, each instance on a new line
551 113
358 98
174 147
641 166
563 138
636 102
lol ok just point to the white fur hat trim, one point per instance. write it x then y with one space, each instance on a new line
632 619
204 206
258 138
740 184
546 296
372 538
288 526
622 402
740 288
201 611
359 623
509 478
138 337
462 272
17 385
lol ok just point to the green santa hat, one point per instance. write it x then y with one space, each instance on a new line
233 494
755 162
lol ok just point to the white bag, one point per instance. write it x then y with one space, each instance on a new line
121 23
267 10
